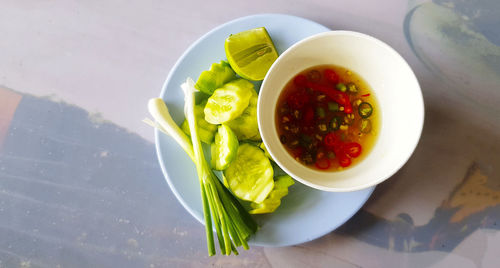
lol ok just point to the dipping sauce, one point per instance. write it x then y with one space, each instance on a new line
327 118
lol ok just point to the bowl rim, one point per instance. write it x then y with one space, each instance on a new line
401 161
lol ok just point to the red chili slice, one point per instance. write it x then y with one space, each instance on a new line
352 149
300 80
348 109
331 140
365 95
323 163
339 97
331 76
344 161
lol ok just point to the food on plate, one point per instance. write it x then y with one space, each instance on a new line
210 80
250 175
251 53
326 117
227 121
206 130
224 149
232 222
273 201
246 126
263 147
228 101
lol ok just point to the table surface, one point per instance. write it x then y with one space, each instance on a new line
80 184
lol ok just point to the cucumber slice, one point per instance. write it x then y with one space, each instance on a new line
206 131
283 181
250 175
224 149
263 147
273 201
228 102
246 126
218 75
268 206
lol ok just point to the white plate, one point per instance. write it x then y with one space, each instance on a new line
306 213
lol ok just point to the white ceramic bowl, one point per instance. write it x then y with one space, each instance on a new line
396 89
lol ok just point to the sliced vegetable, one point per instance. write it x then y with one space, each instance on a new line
250 175
251 53
352 149
331 76
344 161
318 120
333 106
229 217
228 102
314 76
224 149
273 201
320 112
331 139
335 123
308 157
218 75
356 103
246 126
232 223
270 205
323 163
300 80
263 147
352 88
365 126
283 181
348 119
206 131
205 136
341 87
322 127
337 96
365 109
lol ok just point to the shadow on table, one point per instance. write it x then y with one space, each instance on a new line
78 191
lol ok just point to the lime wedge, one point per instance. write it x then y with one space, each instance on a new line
251 53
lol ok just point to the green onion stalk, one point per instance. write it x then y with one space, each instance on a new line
233 224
